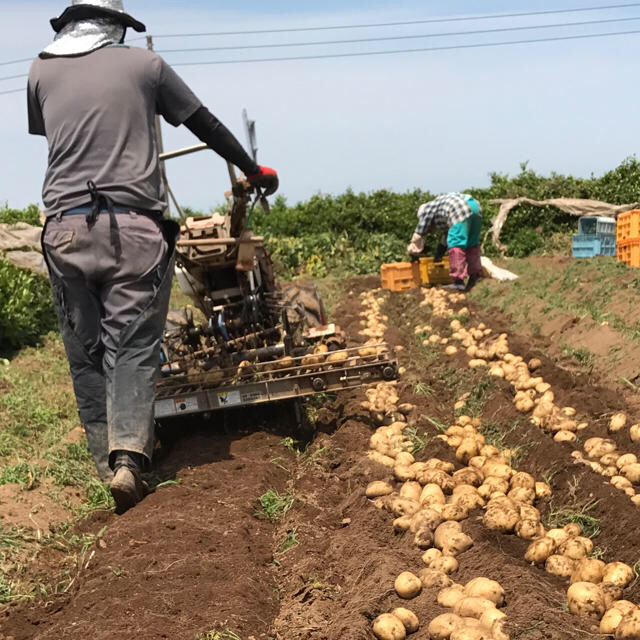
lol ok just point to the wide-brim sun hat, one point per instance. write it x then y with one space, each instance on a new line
87 9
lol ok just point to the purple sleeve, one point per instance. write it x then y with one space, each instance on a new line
175 101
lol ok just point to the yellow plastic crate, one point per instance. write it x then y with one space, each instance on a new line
628 227
629 252
400 276
434 272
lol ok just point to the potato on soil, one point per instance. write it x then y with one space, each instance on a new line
433 578
472 607
539 550
617 422
388 627
574 548
458 543
573 529
560 566
586 599
449 596
377 489
441 627
402 524
404 506
485 588
446 564
634 432
588 570
408 585
445 531
622 461
559 536
423 538
612 593
610 621
490 616
426 518
408 619
503 520
629 627
632 472
618 573
471 633
455 511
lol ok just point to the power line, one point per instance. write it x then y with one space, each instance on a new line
380 24
22 75
394 51
495 16
376 53
3 64
405 37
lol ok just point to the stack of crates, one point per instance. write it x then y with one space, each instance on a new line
629 238
401 276
596 237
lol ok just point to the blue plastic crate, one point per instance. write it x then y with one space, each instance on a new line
591 245
596 225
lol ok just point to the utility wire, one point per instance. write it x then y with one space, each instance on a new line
382 39
3 64
394 51
404 23
376 53
405 37
4 93
22 75
380 24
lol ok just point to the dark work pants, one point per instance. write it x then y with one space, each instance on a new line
111 312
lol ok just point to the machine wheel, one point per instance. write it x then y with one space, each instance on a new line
306 303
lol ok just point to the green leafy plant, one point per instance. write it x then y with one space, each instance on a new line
274 505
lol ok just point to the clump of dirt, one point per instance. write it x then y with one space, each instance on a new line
189 559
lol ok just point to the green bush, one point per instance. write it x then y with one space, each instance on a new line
30 215
26 307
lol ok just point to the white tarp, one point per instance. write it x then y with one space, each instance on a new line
572 206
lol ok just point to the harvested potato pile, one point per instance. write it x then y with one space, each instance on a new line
602 456
475 614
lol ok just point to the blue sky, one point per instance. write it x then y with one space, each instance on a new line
438 120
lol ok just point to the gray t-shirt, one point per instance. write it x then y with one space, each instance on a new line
98 113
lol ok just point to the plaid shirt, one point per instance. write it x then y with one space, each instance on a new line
443 213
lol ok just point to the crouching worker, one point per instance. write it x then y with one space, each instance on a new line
460 217
109 250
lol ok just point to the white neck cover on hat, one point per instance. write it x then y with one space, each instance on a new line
84 36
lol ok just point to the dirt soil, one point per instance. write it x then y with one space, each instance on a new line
193 558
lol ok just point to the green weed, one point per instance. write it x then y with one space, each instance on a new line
25 474
575 511
418 441
422 389
273 505
290 541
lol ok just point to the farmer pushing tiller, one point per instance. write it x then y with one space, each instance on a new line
460 216
109 251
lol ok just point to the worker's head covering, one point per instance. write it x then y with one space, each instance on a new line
88 25
84 9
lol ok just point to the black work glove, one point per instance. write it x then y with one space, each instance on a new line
441 249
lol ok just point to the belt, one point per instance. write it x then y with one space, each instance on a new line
86 209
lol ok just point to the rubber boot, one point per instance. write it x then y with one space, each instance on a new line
473 280
96 433
457 285
127 488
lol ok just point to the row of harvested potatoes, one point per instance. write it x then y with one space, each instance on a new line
433 499
534 395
